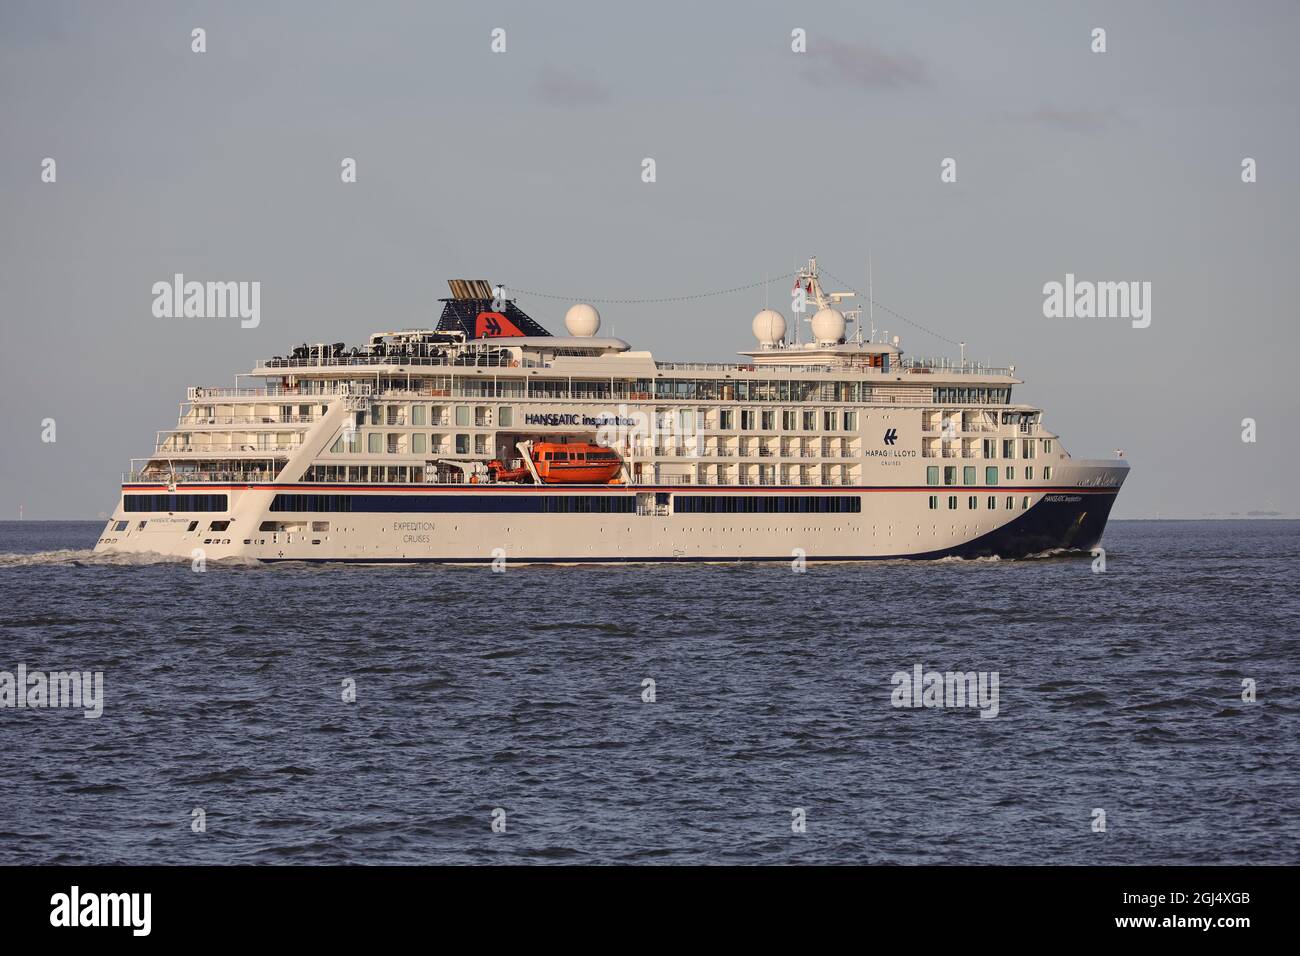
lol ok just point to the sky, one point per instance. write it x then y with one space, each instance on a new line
524 167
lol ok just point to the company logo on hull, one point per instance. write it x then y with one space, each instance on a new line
891 435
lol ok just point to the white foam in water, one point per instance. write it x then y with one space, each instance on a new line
80 558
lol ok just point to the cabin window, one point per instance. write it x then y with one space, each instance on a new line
1047 446
932 475
1047 473
973 502
952 502
505 416
462 444
725 420
374 443
462 415
769 420
1029 473
417 444
1024 502
829 419
809 421
1011 502
417 415
746 420
934 502
1008 447
950 474
1011 472
968 475
991 475
850 421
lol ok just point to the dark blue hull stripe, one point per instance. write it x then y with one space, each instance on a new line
1049 525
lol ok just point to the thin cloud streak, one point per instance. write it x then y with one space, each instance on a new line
563 88
835 63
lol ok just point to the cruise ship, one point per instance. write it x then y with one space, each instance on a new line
490 440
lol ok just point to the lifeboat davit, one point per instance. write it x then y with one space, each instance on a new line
565 463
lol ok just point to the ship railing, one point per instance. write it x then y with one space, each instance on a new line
463 360
196 478
263 477
198 393
185 423
207 451
935 367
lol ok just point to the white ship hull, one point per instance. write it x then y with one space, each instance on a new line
448 523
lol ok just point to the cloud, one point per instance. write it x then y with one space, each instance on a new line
834 63
1079 121
562 88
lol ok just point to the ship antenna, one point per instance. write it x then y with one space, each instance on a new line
871 297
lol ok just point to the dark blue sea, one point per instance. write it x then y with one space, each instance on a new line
523 691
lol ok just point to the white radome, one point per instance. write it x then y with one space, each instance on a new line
828 326
769 328
582 320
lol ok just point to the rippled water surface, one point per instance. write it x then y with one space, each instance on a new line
523 690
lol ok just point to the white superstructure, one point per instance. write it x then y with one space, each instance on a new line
450 445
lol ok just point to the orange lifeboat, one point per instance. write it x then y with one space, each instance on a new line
571 463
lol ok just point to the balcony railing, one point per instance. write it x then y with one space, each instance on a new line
244 420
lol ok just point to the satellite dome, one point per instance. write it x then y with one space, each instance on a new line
828 326
582 320
769 328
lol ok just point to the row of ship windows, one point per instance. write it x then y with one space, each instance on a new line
969 473
686 389
766 504
580 504
424 504
973 502
174 503
685 420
